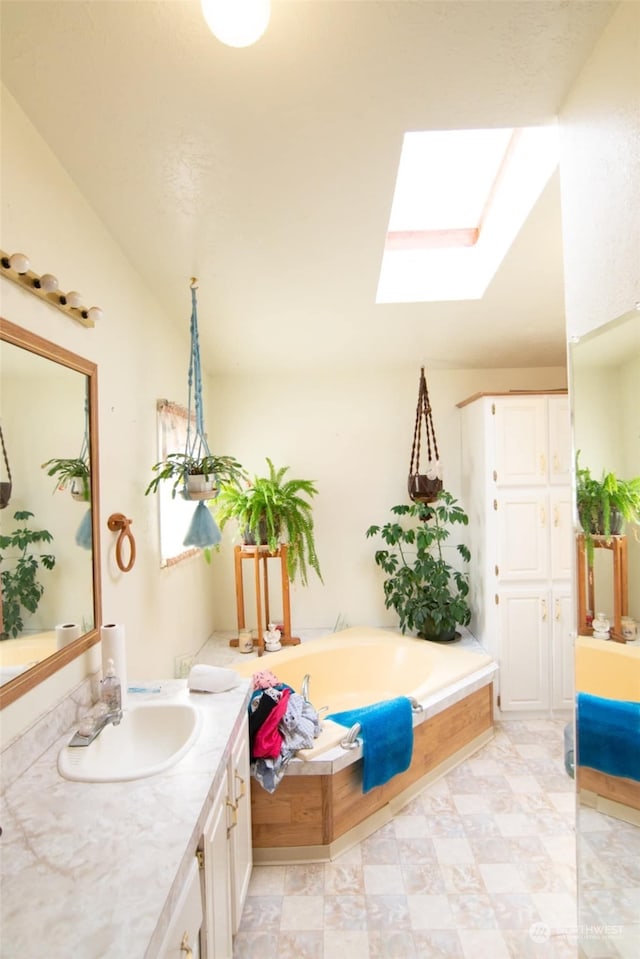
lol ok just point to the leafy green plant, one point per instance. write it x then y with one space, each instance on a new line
70 472
427 592
604 505
271 510
21 589
178 466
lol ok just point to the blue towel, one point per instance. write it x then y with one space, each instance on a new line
608 735
387 738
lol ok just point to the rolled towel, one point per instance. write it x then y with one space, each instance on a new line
212 679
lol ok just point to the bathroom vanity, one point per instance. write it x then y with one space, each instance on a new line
149 868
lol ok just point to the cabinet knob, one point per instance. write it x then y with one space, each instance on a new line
185 947
544 610
543 464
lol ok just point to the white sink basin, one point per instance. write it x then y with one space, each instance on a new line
149 739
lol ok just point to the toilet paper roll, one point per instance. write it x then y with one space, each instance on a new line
66 633
113 647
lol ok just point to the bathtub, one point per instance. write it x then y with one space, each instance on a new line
319 808
612 671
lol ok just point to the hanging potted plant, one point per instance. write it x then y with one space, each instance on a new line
605 505
196 477
425 590
271 510
72 474
21 589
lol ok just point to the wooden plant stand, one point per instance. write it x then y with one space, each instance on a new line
260 556
586 590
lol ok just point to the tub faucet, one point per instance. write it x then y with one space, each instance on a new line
305 687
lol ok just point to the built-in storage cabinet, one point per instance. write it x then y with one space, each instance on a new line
227 854
516 489
182 940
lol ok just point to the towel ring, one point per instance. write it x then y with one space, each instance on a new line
118 521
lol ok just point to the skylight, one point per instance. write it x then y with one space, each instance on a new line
460 200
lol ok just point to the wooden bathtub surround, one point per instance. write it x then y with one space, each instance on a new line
260 556
610 670
311 816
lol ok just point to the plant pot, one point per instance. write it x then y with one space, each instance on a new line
78 491
616 522
200 486
249 538
438 634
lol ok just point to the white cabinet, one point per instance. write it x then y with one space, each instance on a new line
227 853
516 453
241 852
182 940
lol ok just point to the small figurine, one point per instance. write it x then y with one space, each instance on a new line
272 638
601 626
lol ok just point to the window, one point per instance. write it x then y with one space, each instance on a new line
460 199
175 512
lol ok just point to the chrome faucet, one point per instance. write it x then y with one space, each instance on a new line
305 687
93 723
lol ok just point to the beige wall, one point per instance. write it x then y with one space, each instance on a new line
600 178
353 435
165 612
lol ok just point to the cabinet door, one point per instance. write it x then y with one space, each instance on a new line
240 828
524 663
520 424
522 524
217 905
562 536
559 440
562 649
183 933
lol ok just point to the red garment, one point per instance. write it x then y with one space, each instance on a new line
268 741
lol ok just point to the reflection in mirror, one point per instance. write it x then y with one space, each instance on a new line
48 404
605 372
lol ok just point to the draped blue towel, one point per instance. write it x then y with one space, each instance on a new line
608 735
387 738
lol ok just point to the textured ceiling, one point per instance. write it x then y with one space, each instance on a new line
268 172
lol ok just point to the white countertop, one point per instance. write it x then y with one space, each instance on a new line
92 870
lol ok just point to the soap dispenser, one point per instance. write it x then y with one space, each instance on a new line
110 690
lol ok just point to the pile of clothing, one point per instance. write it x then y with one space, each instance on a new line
281 722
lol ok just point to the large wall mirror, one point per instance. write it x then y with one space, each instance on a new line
48 408
604 378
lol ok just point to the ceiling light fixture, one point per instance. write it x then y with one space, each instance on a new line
238 23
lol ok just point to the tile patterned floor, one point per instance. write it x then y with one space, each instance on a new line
480 865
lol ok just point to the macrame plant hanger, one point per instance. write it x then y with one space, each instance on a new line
84 537
424 487
203 531
5 485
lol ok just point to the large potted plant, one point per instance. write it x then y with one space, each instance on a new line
21 589
72 473
197 477
428 593
604 505
271 510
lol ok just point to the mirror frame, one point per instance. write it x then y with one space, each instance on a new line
28 680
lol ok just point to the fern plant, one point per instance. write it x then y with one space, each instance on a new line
604 505
271 510
21 589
